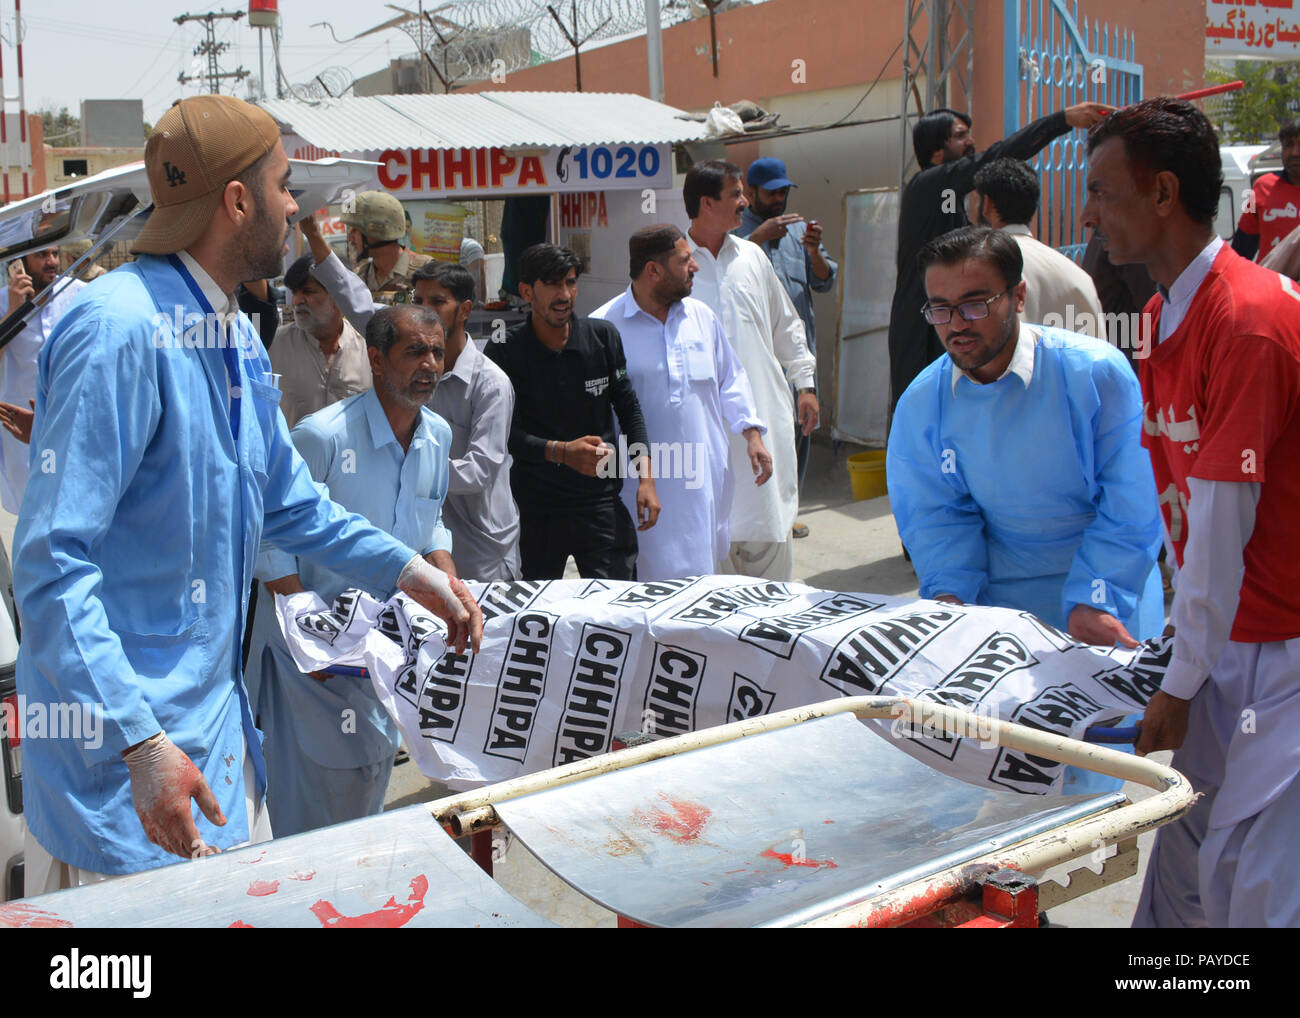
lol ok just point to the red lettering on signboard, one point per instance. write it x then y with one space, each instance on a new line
424 168
390 180
584 210
502 164
480 165
314 152
531 172
461 166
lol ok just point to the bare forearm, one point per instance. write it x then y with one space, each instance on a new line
286 585
442 560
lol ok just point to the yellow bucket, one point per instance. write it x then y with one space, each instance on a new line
867 474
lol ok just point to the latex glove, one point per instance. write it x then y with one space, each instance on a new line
163 781
448 598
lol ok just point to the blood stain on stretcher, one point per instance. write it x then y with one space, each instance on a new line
684 821
620 844
30 918
261 888
390 916
788 859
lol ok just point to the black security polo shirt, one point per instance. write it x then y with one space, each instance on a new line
562 395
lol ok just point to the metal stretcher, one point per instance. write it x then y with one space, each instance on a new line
802 818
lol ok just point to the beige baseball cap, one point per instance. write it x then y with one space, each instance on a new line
197 147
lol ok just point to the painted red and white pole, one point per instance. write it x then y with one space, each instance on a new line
26 149
1199 93
4 126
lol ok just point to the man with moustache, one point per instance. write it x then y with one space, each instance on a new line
376 224
931 204
382 454
570 379
28 276
795 247
163 467
1275 209
474 397
694 393
1221 420
320 357
739 285
1015 472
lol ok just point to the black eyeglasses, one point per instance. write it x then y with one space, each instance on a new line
971 310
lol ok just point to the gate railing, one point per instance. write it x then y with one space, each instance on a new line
1052 61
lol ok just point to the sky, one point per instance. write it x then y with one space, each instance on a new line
109 49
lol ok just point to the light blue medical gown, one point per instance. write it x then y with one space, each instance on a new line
135 547
1035 497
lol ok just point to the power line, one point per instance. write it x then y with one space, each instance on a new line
149 67
211 49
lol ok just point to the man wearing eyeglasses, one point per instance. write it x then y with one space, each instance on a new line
1015 468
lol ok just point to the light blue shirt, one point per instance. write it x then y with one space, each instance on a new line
134 550
793 266
477 400
1033 491
1178 298
349 447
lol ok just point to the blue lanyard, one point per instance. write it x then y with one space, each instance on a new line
229 352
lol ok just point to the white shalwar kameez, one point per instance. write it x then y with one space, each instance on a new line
743 290
693 391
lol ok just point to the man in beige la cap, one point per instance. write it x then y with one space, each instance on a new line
161 461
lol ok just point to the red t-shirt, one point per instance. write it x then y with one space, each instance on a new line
1221 402
1276 212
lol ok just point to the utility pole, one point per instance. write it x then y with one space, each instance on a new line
210 49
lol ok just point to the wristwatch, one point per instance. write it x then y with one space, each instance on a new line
806 391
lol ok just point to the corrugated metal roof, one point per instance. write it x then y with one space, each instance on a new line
483 120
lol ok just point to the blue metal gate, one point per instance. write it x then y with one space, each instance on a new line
1053 61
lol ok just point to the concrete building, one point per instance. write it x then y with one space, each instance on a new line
813 61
